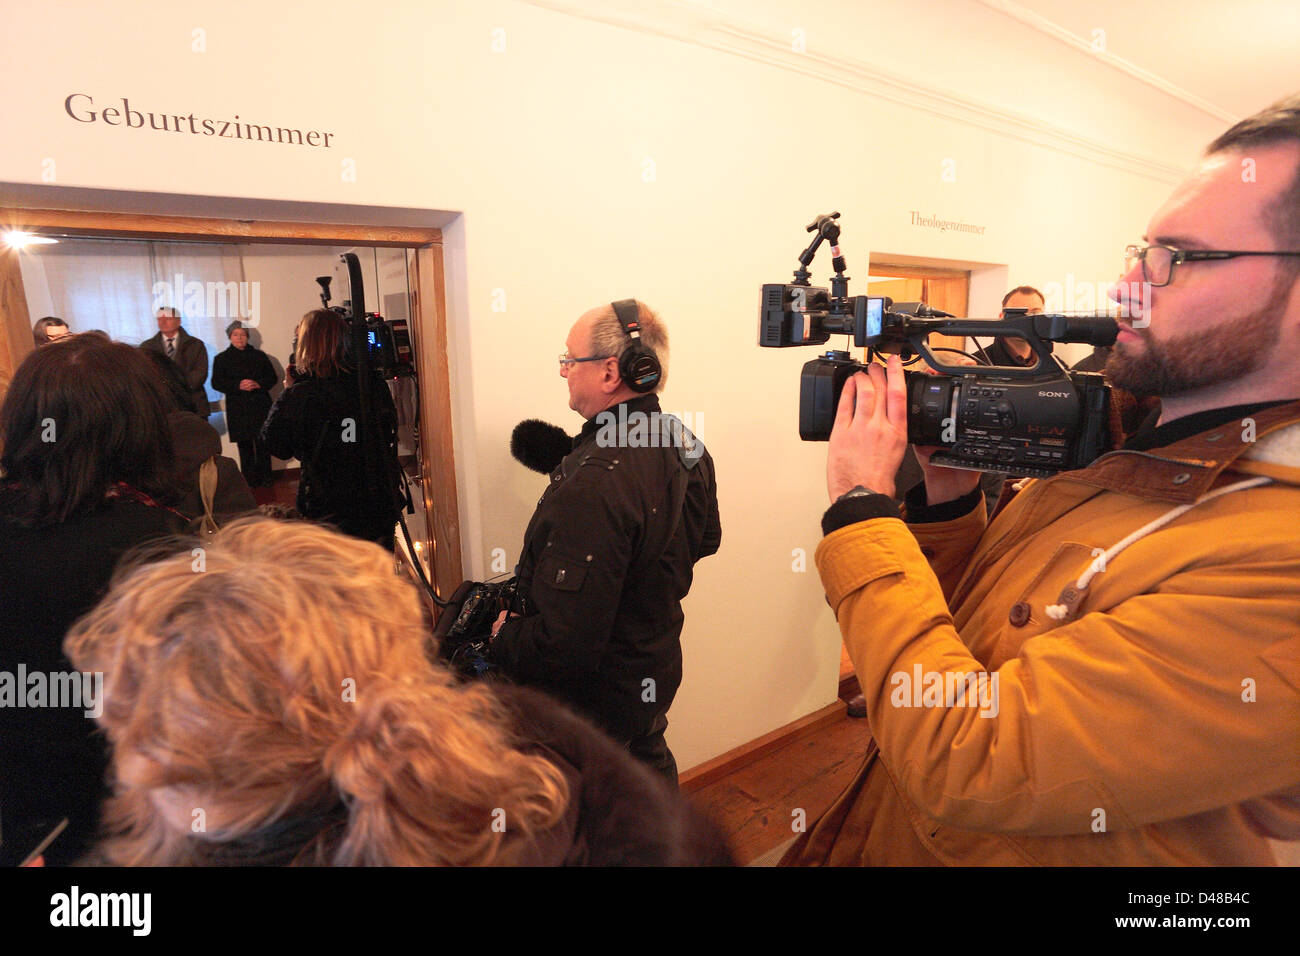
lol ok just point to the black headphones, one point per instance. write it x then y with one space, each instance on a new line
638 366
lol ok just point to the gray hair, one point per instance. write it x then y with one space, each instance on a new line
608 337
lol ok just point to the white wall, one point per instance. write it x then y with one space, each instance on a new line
545 148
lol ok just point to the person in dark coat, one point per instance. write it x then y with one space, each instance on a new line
173 380
87 461
333 738
611 549
1011 351
194 441
318 420
188 353
245 376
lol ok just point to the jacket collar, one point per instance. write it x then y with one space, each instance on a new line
642 403
1186 469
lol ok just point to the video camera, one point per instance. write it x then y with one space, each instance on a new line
1034 421
388 341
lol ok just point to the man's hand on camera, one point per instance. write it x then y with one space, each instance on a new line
501 619
870 432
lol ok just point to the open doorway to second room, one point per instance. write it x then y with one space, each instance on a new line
116 286
99 270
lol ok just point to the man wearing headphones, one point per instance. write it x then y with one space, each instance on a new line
609 552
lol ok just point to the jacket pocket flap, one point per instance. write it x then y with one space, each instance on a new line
562 573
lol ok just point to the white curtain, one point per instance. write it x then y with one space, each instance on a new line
97 284
117 286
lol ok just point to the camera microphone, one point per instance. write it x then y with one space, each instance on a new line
539 446
1090 329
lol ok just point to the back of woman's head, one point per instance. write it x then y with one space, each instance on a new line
277 675
322 344
81 414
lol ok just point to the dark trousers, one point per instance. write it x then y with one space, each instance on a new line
255 462
652 750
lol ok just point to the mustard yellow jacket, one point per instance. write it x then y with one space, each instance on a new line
1151 717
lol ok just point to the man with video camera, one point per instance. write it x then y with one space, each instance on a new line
1109 672
610 550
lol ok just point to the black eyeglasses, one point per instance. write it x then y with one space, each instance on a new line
1158 261
567 363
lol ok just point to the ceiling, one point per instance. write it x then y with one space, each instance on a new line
1239 55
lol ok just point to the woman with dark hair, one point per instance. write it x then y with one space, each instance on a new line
86 461
318 420
49 329
245 376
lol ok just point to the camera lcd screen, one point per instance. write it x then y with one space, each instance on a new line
875 315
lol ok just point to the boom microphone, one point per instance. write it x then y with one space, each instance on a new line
539 446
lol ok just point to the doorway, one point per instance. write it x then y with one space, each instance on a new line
416 253
946 289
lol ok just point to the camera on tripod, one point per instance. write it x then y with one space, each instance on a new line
1036 420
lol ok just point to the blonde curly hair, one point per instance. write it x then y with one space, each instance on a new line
278 669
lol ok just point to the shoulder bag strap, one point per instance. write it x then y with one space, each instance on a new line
207 491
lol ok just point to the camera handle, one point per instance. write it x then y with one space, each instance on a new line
1037 330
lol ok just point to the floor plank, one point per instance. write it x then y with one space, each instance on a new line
755 805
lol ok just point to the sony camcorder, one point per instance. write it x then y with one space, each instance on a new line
1034 420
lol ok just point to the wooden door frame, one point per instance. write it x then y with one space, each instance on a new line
883 265
428 327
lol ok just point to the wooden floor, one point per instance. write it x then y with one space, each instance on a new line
756 805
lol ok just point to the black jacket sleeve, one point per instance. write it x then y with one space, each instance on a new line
281 429
706 500
266 376
576 586
223 379
195 363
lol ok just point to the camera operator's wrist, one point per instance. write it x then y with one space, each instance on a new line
859 504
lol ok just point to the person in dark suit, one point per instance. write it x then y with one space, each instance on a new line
188 353
245 376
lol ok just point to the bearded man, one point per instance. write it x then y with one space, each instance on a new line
1125 636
